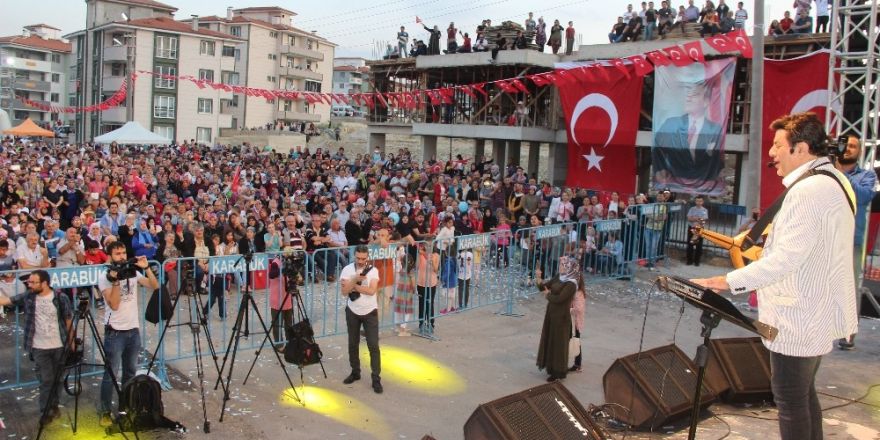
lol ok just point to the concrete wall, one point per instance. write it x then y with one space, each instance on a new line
280 143
258 111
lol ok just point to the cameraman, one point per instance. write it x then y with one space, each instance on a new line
47 321
360 282
122 339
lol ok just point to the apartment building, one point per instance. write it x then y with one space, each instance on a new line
351 75
124 36
279 56
34 67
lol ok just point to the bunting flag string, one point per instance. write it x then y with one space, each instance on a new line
643 64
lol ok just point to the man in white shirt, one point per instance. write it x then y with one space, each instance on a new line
804 278
32 255
360 282
122 339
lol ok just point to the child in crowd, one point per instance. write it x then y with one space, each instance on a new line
406 287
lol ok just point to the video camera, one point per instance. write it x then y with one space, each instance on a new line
354 295
124 270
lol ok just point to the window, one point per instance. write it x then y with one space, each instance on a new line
313 86
288 105
164 106
167 82
117 69
206 105
166 47
56 77
273 34
291 40
308 65
272 56
288 84
206 75
271 79
228 51
235 31
71 100
203 135
309 44
166 131
206 48
290 62
237 54
56 58
234 102
230 78
54 97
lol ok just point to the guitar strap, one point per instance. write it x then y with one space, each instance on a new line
765 219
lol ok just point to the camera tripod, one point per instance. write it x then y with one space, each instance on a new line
82 315
247 300
195 312
290 290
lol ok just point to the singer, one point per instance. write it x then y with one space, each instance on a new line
360 282
804 278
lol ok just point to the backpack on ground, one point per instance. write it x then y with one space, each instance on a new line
141 401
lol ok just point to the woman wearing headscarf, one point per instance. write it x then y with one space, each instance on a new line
556 331
143 242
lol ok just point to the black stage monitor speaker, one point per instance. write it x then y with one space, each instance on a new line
546 412
739 370
657 386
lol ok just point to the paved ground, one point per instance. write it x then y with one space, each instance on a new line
432 387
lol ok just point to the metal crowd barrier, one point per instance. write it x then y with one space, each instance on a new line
420 283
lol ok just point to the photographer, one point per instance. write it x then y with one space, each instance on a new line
360 282
122 339
278 287
47 324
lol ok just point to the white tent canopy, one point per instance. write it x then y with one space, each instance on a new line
132 133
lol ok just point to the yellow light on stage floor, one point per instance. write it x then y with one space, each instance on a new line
339 407
88 428
414 370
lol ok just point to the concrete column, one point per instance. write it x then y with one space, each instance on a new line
534 156
376 140
479 149
513 152
498 155
558 165
429 147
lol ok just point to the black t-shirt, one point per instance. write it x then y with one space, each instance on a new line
53 196
664 13
311 233
618 28
651 15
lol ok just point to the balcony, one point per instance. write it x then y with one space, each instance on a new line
300 73
18 105
355 80
115 114
226 108
115 53
28 64
298 116
32 85
112 83
286 49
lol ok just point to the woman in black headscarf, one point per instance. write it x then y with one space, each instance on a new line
559 291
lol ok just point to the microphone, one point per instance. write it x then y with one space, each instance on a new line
772 164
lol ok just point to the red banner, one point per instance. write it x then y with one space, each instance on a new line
602 119
788 90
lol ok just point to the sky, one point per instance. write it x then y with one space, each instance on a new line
360 26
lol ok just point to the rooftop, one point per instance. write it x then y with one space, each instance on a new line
148 3
43 25
246 20
36 42
170 24
266 9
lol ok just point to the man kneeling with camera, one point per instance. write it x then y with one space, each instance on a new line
122 339
360 282
47 320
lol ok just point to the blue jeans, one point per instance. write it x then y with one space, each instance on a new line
649 31
652 242
794 390
121 347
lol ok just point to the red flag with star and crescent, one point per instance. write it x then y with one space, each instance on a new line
602 119
787 90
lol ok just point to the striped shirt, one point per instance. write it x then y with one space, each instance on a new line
804 278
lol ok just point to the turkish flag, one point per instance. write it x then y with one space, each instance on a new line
678 56
642 66
721 43
694 49
742 42
787 90
658 58
602 118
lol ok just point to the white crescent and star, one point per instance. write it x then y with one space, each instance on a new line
593 160
594 100
816 98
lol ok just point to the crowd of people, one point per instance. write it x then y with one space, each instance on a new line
649 22
532 34
802 23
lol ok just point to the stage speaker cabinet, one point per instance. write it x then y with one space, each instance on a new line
542 413
739 370
656 386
